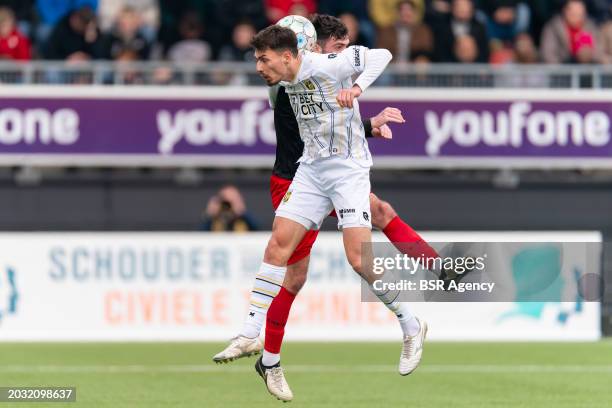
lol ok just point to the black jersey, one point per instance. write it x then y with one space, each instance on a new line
289 145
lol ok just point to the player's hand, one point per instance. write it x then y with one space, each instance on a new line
346 96
384 132
388 115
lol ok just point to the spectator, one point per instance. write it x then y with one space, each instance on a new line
240 49
24 13
602 10
51 12
500 53
570 37
599 10
460 22
191 47
126 73
147 10
437 10
384 12
75 38
525 50
358 8
505 18
541 13
277 9
354 34
465 49
408 39
126 36
226 211
13 44
228 13
606 43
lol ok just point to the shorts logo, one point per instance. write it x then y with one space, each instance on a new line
357 57
309 85
346 211
331 56
366 216
287 196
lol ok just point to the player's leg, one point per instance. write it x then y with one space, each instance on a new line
286 234
408 241
268 366
293 281
297 271
353 193
269 278
405 239
306 204
357 240
254 321
278 313
276 319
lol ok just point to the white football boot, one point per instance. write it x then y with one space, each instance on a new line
274 378
412 350
240 346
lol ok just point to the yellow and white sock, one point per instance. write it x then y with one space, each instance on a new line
268 282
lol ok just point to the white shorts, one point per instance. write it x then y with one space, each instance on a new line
325 184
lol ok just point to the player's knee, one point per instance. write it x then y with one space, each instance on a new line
277 252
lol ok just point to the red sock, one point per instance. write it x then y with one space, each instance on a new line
407 240
276 319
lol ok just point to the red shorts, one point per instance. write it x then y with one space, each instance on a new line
278 189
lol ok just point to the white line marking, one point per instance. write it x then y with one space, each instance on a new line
224 369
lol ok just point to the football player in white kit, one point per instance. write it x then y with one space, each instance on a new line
334 168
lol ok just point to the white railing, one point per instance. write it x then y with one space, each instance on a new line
218 73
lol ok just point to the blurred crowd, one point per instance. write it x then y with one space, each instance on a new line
445 31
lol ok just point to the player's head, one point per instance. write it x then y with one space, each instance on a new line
276 54
332 34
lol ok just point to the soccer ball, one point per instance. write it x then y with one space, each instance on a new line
303 29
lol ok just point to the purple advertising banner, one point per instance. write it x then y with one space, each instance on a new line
233 127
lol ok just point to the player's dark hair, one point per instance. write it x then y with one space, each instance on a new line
328 27
275 38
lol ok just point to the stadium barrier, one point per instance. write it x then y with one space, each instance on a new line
233 127
528 76
195 286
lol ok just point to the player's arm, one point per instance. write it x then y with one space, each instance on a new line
367 127
368 63
377 125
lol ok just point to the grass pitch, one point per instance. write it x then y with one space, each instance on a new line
457 375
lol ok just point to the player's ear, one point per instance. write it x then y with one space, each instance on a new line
287 55
317 48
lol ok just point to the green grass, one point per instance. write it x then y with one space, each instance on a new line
452 375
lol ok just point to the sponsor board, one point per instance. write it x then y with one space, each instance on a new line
195 286
234 127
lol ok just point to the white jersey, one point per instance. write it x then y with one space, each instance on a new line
325 128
